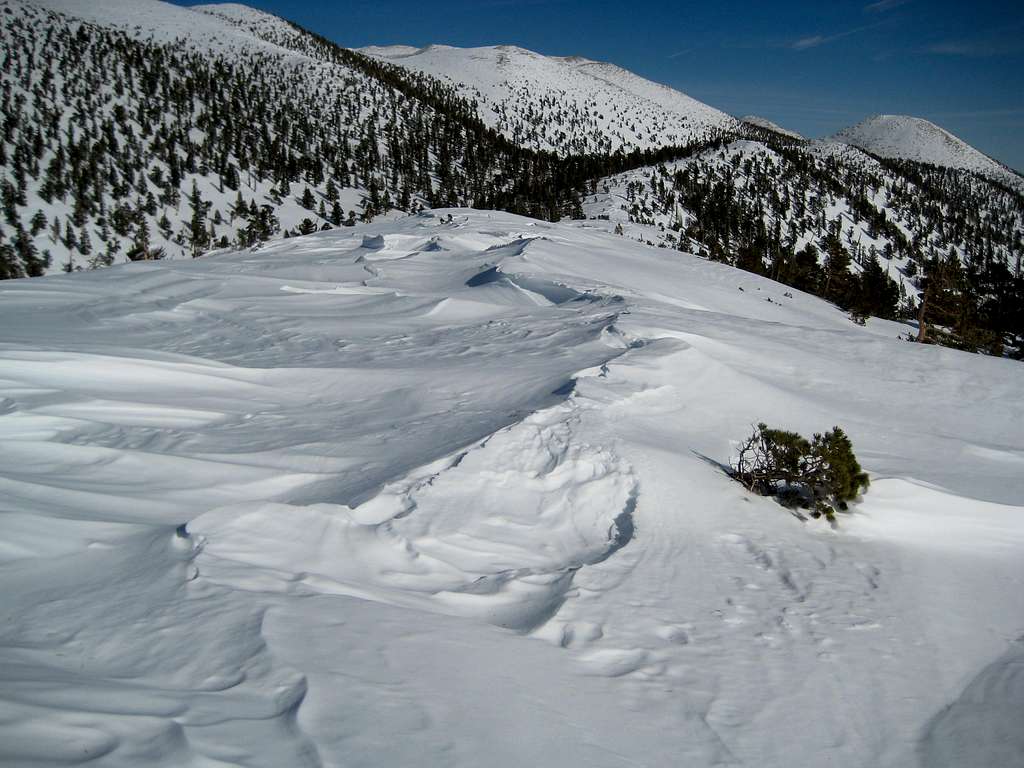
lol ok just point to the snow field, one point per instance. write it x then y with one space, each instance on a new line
452 493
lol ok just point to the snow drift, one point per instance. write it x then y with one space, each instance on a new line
333 501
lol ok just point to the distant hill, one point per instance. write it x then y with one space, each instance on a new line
913 138
570 105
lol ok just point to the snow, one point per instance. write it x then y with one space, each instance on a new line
763 122
633 201
452 495
600 107
164 22
912 138
231 30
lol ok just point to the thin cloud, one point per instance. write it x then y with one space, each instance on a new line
810 42
954 49
1005 41
884 5
683 52
977 48
815 41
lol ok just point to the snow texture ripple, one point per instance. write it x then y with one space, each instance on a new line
448 491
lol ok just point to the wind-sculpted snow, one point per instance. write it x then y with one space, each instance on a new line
449 492
458 536
982 727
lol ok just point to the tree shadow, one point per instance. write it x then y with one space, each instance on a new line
725 468
783 501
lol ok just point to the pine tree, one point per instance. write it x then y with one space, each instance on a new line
239 208
938 297
85 242
9 200
875 295
32 263
9 266
821 474
140 248
38 223
70 238
835 474
838 280
198 237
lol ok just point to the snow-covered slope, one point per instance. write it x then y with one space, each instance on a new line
165 23
763 122
172 130
911 138
448 491
135 156
790 193
572 105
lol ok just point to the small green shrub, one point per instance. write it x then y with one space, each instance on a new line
821 475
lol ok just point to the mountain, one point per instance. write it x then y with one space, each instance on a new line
885 238
912 138
341 461
799 211
143 130
139 130
762 122
570 105
448 491
161 22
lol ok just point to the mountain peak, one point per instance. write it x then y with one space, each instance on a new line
568 104
903 137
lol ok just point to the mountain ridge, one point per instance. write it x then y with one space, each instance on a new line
181 130
452 65
598 106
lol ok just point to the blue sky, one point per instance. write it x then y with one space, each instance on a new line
813 66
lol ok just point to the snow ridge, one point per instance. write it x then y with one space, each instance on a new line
762 122
162 22
570 104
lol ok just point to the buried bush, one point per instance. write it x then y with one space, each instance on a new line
821 475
